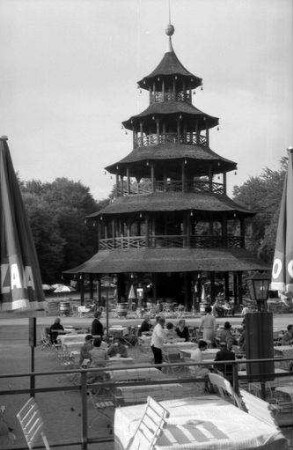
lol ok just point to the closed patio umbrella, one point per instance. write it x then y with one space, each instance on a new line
282 273
20 276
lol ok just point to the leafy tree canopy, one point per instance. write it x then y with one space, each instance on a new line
57 213
263 194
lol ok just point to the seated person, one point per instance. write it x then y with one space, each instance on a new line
118 348
55 329
85 349
182 330
287 339
170 331
227 336
225 355
98 354
196 356
145 326
217 309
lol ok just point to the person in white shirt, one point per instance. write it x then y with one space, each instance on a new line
196 356
157 341
208 325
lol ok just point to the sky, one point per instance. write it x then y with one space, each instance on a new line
69 72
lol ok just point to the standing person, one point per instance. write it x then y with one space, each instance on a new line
55 329
208 326
225 355
97 329
157 341
140 296
182 330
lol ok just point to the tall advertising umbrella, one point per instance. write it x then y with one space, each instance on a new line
282 273
21 286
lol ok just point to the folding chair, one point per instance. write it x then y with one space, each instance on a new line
225 389
32 424
150 426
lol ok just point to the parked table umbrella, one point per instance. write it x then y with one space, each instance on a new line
20 276
282 273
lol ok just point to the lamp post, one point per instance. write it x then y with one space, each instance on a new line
259 284
259 333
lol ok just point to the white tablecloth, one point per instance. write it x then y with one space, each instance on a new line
206 423
148 373
72 340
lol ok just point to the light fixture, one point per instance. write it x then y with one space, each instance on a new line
259 288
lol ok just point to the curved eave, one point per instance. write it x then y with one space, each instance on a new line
174 201
160 260
170 66
198 157
187 110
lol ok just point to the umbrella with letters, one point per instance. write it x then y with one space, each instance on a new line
282 273
21 286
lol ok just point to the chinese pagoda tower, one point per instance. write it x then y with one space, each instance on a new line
171 225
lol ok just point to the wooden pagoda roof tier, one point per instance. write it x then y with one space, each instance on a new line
199 158
174 201
187 110
170 66
158 260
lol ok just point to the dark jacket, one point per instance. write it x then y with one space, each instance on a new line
226 369
54 331
145 326
97 328
183 334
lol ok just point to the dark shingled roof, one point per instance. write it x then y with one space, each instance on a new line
170 65
173 201
167 152
170 260
164 108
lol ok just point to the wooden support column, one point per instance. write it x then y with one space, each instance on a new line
163 90
128 231
184 89
207 134
183 175
91 285
188 229
174 88
225 182
99 290
210 179
117 184
235 288
196 133
128 180
99 232
106 229
141 133
114 233
153 177
212 279
242 232
147 230
226 286
224 231
178 129
239 288
158 130
134 134
154 242
122 185
150 94
185 133
81 287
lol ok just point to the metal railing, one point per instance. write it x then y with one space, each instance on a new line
83 387
160 97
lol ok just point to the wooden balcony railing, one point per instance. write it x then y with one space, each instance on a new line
147 187
170 241
169 138
159 97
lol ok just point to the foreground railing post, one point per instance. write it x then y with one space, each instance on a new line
84 417
235 378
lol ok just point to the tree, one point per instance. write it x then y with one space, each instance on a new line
263 194
57 212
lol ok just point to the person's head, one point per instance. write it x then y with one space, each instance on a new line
158 318
181 323
161 321
97 342
88 338
97 315
208 309
202 345
223 345
290 329
147 319
169 326
227 325
57 321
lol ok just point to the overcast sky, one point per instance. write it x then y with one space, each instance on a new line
69 70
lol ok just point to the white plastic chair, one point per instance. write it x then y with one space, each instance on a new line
32 424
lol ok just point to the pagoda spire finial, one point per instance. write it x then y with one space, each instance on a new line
170 30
